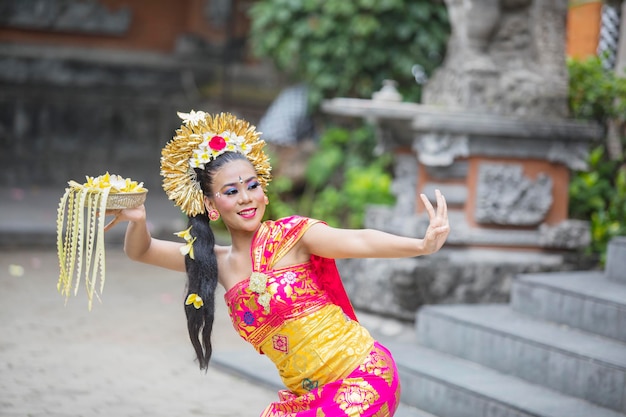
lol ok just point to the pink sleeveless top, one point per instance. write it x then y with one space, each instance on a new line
302 329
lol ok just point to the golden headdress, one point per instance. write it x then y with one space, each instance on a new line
201 138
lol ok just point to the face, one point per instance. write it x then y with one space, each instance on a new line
238 196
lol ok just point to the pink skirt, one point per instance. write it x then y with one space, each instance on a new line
373 389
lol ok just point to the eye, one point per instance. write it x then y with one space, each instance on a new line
253 185
230 191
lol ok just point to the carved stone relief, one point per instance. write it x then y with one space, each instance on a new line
440 149
65 16
570 234
504 56
572 155
504 196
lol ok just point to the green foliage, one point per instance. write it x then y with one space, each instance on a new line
346 48
342 178
595 93
599 194
279 206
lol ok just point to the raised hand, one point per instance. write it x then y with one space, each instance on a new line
439 227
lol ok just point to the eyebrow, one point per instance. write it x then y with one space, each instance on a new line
234 184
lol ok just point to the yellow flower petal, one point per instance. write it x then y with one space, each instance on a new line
185 234
194 299
188 249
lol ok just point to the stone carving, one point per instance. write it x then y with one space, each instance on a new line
572 155
440 149
64 16
504 56
504 196
404 183
388 92
570 234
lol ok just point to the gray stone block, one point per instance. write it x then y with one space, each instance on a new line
448 386
616 259
563 359
408 411
584 300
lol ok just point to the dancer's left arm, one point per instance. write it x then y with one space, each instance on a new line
330 242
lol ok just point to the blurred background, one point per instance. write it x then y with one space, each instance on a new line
88 86
516 109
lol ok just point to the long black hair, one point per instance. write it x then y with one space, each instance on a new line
202 270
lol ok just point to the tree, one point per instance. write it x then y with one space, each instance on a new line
347 48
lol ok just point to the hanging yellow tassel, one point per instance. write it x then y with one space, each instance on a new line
80 229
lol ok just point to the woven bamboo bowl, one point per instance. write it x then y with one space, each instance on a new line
116 201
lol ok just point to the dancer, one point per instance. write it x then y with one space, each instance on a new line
283 292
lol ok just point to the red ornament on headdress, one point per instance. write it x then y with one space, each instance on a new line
217 143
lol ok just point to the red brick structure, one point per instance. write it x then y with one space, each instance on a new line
154 25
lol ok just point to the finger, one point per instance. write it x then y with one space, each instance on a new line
112 223
439 203
442 229
429 207
109 225
444 205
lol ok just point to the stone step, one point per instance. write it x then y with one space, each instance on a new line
567 360
584 300
447 386
257 368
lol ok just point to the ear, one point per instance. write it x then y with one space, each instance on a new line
267 200
208 204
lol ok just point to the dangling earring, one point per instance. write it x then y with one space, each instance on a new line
214 215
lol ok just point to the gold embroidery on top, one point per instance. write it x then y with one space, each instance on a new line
280 343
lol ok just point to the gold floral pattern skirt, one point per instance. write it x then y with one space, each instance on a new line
373 389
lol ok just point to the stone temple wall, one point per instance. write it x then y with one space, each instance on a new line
91 86
64 119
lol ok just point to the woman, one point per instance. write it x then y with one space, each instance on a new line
283 291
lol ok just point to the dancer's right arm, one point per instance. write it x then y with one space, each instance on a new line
140 246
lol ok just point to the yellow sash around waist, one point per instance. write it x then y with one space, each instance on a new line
321 347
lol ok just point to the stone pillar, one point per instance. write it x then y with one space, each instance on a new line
615 268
